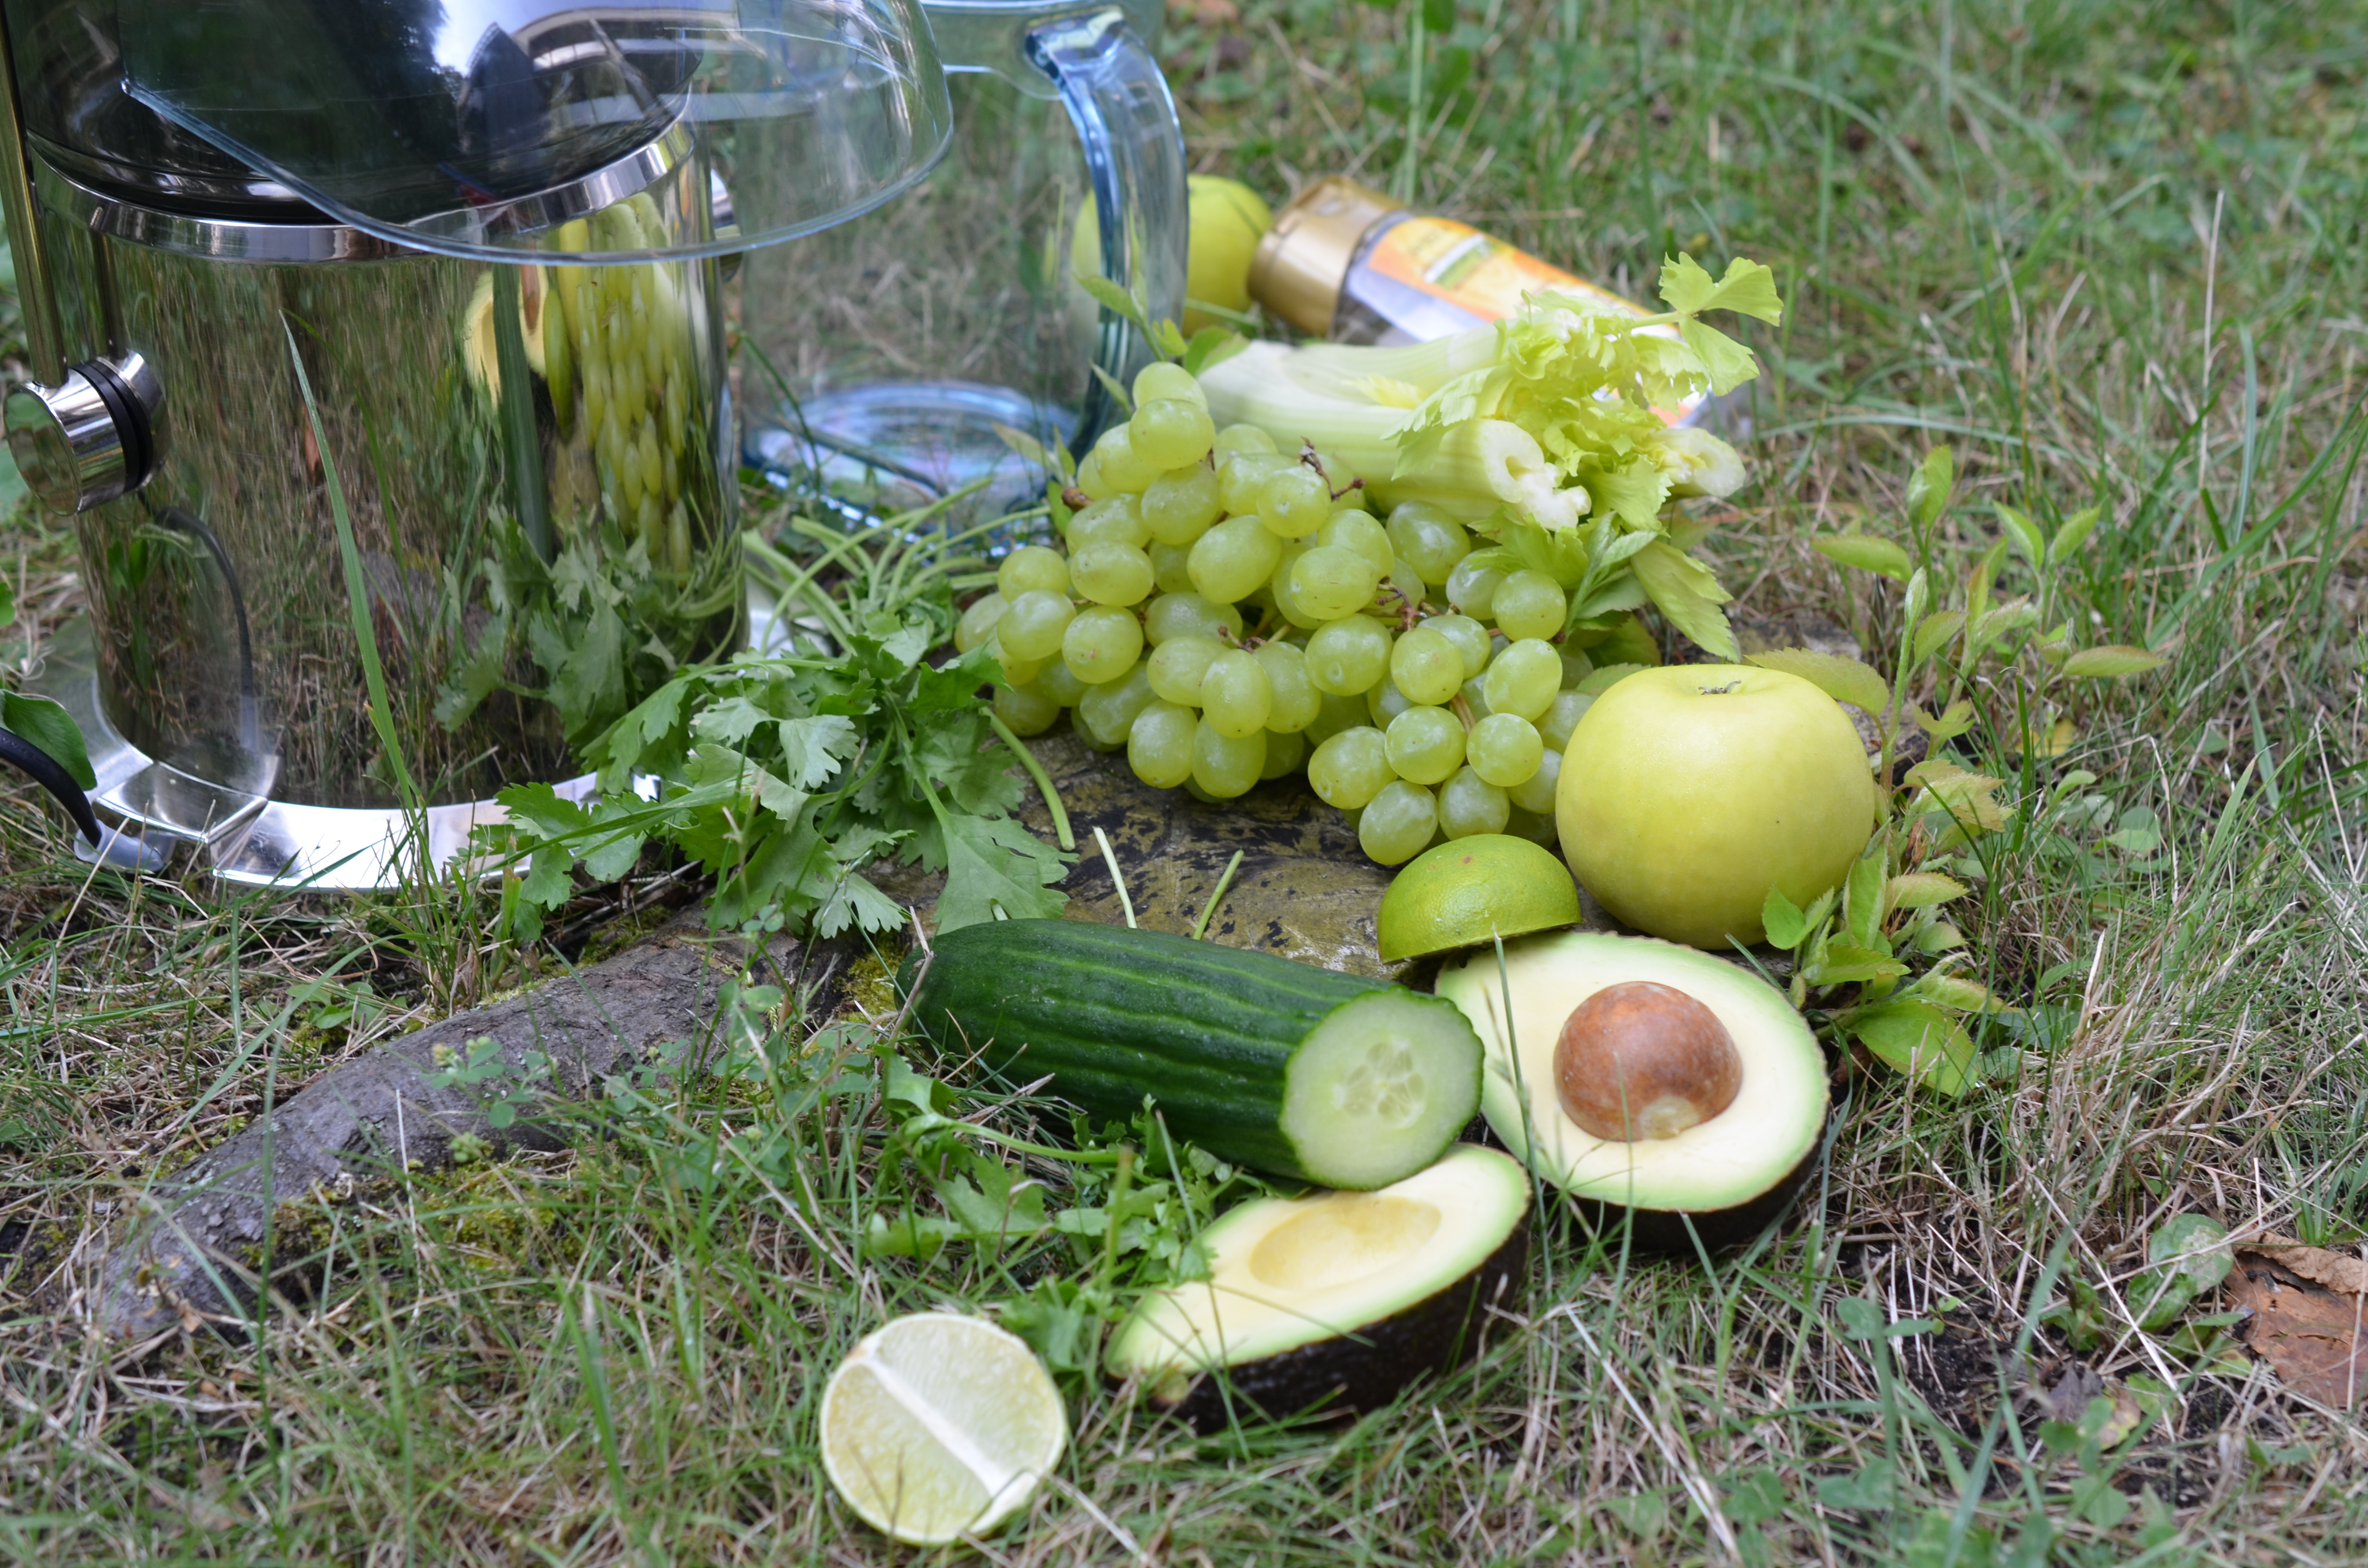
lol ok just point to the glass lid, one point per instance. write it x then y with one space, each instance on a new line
623 130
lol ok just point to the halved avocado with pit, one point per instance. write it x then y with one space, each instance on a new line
1726 1161
1336 1300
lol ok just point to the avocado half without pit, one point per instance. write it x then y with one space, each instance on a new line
1648 1081
1336 1300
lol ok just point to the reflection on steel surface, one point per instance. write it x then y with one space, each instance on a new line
246 838
225 653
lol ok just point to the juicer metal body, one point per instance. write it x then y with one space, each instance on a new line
220 680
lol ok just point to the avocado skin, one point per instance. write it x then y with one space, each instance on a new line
1664 1230
1346 1376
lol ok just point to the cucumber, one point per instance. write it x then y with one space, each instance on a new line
1330 1078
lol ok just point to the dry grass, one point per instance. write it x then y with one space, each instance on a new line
2112 253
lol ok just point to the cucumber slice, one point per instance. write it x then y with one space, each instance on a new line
1382 1081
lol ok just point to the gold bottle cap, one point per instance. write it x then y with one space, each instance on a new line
1302 261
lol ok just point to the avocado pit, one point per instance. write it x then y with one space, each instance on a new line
1640 1060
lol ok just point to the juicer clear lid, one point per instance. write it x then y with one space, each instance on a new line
620 129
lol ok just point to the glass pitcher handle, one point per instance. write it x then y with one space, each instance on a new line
1135 155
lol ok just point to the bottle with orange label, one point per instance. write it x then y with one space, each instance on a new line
1345 263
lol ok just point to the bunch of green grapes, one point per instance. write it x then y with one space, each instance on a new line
1227 615
617 349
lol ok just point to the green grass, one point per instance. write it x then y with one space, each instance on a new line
2113 254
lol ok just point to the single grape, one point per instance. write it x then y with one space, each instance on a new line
1090 479
1242 475
1385 702
1353 529
1536 793
1121 467
1562 716
1473 590
1234 696
1284 748
1110 572
1027 710
1398 823
1427 539
1575 667
1018 671
1179 665
1349 768
977 623
1233 561
1475 697
1293 503
1171 568
1181 504
1187 614
1427 667
1331 582
1524 678
1029 567
1349 656
1471 640
1295 699
1243 439
1169 432
1284 589
1425 744
1107 709
1335 713
1160 745
1538 827
1160 379
1530 604
1101 643
1119 519
1504 749
1469 804
1226 765
1059 682
1406 584
1032 627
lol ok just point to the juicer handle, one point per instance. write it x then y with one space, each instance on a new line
1134 153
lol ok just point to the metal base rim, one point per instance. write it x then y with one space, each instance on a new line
251 840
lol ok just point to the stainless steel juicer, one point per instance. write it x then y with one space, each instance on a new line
353 328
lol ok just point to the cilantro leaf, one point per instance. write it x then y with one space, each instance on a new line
995 862
813 748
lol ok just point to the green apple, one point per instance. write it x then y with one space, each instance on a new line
1228 221
1688 792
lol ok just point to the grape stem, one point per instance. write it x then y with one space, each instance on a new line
1043 780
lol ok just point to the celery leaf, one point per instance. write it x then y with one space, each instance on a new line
1684 590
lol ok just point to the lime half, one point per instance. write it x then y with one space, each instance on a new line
937 1426
1467 890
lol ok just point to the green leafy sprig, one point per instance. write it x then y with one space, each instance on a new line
784 775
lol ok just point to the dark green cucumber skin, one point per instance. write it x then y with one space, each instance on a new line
1112 1015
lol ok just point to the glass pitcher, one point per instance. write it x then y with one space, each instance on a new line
883 362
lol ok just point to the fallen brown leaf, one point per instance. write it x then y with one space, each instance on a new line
2338 1271
2311 1334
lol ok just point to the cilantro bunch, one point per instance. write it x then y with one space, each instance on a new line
783 776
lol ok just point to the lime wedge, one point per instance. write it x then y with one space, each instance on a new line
1469 891
937 1426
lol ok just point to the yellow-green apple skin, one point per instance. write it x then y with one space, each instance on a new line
1689 791
1228 218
